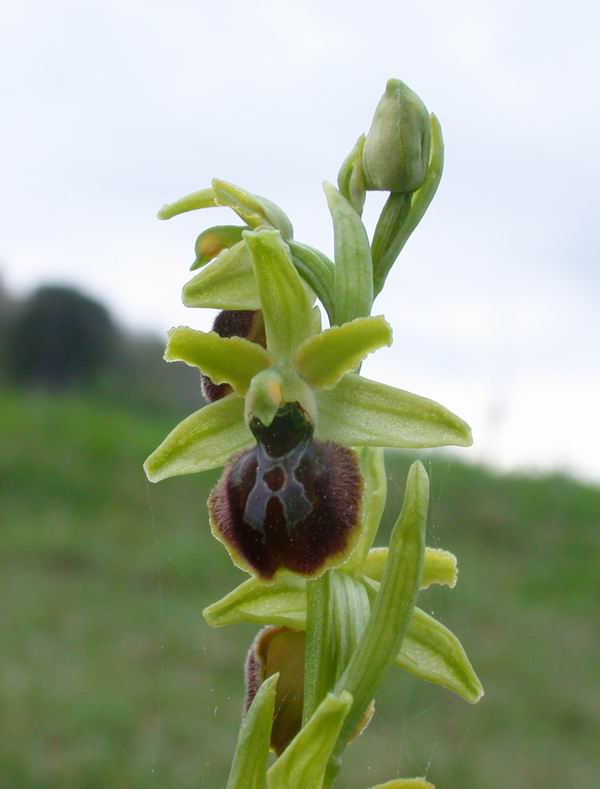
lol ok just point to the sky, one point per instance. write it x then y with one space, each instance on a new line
111 109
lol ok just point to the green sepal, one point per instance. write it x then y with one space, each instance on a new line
286 307
405 783
316 270
351 177
204 440
353 276
226 360
304 762
393 606
431 652
282 602
440 567
361 412
324 358
254 210
204 198
226 284
372 470
212 241
250 760
419 204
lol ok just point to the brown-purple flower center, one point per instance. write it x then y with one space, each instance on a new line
289 502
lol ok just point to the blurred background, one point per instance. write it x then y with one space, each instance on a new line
108 674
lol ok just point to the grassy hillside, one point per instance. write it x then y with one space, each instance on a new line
109 677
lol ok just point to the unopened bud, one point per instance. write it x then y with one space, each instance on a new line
396 151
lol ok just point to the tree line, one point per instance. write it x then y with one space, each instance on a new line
61 340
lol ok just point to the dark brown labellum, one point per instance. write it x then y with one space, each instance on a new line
289 502
234 323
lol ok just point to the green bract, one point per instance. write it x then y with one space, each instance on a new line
252 751
304 762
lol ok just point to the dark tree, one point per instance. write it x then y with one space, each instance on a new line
59 338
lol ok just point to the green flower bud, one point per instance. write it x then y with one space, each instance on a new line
397 147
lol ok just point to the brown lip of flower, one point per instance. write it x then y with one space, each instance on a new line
233 323
290 502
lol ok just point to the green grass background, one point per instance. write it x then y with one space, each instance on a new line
109 676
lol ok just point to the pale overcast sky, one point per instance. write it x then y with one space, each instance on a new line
112 108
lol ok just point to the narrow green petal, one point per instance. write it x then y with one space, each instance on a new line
324 358
304 762
226 284
440 566
205 440
363 412
433 653
351 178
205 198
280 603
249 767
405 783
393 606
419 205
372 469
254 210
286 307
230 360
353 280
212 241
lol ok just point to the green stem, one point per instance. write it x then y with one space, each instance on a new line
318 674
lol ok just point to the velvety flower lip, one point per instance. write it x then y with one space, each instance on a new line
290 502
